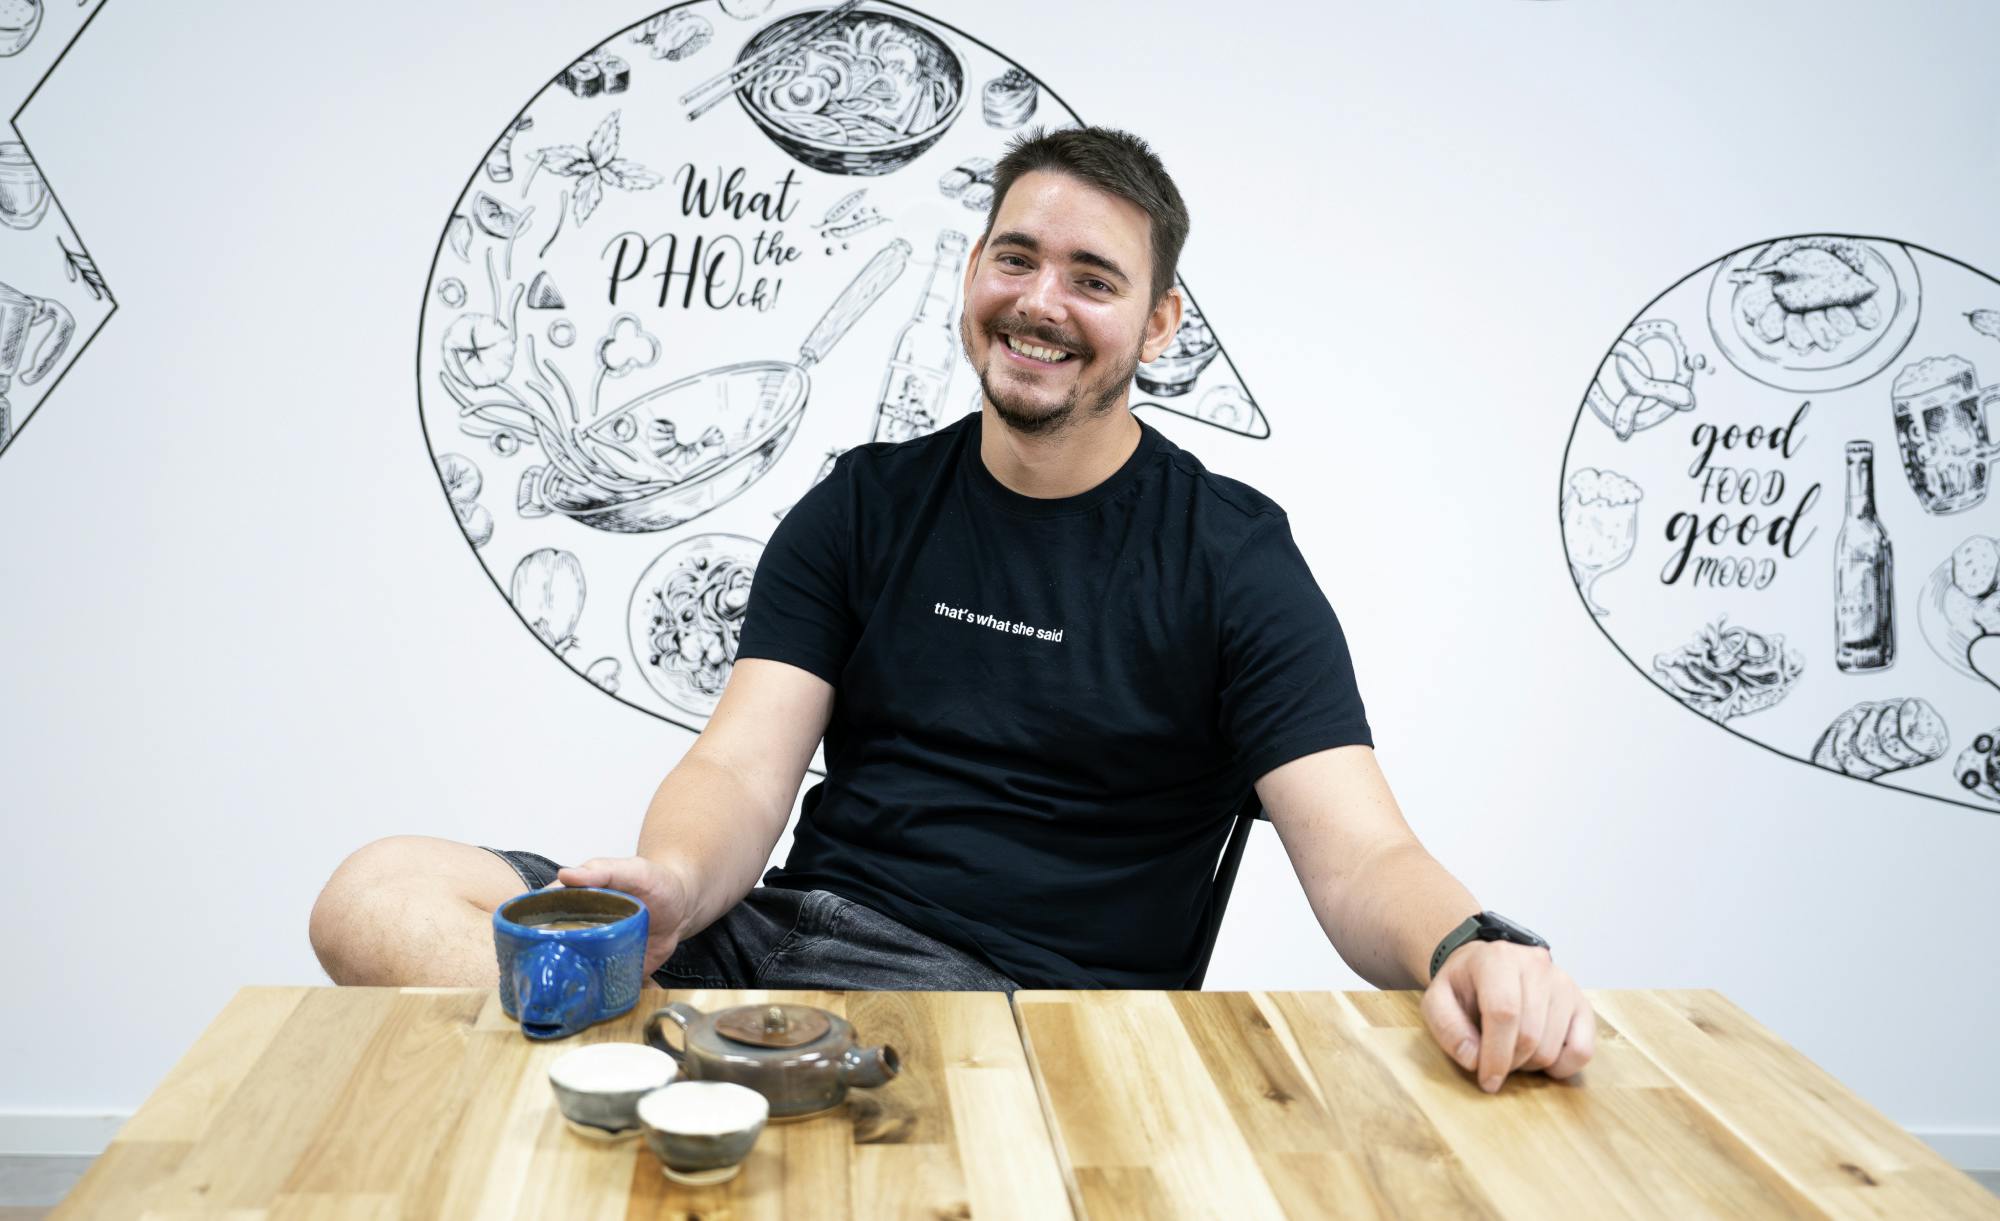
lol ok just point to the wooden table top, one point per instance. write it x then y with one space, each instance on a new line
1305 1104
428 1103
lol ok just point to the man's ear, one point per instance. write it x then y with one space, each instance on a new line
1161 325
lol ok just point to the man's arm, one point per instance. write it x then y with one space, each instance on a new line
715 818
1385 903
1382 900
718 814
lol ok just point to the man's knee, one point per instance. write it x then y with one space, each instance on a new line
390 875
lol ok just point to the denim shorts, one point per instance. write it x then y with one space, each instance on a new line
777 938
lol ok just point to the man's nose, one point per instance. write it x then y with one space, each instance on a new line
1041 297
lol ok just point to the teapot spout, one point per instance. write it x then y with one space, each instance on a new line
864 1067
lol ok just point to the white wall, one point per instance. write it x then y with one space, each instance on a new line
243 636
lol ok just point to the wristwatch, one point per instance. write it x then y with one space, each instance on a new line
1486 926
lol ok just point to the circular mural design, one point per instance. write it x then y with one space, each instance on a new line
1775 503
714 251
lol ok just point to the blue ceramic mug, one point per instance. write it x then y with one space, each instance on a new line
569 958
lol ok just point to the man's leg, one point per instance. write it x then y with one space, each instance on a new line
413 911
839 944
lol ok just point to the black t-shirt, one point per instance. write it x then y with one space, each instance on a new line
1046 711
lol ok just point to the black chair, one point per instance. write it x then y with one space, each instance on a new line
1225 880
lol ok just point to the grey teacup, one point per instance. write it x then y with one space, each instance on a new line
598 1087
702 1130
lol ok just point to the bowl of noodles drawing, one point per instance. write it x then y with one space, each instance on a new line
673 453
865 94
686 617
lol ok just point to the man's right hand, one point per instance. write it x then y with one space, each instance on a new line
663 891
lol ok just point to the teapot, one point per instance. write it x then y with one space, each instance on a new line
803 1059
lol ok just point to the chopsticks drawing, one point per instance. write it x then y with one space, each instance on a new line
741 74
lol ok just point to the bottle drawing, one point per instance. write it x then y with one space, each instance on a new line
1864 586
919 372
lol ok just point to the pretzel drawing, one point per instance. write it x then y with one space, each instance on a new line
1650 383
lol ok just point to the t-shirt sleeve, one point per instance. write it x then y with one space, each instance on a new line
1287 683
799 610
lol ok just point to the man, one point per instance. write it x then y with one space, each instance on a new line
1049 654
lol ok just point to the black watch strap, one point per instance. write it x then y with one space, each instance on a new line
1486 926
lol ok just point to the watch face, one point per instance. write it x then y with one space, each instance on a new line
1496 927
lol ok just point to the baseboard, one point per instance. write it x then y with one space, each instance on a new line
57 1133
1965 1148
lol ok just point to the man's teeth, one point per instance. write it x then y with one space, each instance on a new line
1029 349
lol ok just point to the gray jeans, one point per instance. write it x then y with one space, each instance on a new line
777 938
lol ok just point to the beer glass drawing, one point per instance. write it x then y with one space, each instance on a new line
1941 429
1600 519
20 314
23 194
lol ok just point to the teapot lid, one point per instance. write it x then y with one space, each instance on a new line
773 1025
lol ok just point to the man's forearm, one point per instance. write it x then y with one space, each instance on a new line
704 825
1388 917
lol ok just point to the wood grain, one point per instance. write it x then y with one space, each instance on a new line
1849 1158
1323 1104
429 1103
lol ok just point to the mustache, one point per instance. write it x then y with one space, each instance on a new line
1046 336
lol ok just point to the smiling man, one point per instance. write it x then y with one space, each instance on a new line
1049 653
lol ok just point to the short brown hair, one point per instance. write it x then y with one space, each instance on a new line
1114 161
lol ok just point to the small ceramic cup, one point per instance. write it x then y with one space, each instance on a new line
569 958
702 1130
598 1087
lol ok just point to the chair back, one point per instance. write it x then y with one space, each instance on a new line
1247 815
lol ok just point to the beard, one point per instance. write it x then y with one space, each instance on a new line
1021 412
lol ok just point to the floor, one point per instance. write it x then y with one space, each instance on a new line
31 1186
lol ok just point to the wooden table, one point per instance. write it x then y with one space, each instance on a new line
428 1103
1305 1104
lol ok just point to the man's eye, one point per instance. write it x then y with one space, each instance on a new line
1012 260
1097 286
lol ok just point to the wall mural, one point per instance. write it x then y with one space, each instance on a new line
1731 530
52 299
714 220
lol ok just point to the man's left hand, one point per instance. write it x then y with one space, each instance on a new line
1496 1007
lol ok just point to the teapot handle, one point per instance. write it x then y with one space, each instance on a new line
682 1013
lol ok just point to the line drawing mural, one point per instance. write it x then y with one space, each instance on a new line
1729 671
686 614
1601 523
1734 515
851 92
1978 766
53 300
1941 429
462 483
1819 312
1645 378
549 592
656 311
1870 739
24 196
19 21
1960 603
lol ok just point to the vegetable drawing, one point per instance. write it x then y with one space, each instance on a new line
548 591
596 166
